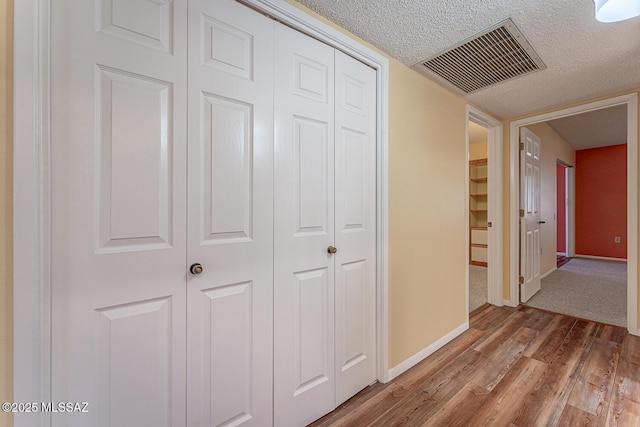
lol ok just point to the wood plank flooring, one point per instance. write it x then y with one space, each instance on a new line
513 367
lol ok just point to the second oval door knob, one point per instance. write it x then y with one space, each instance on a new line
196 269
332 250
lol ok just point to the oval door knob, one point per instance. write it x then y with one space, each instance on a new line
196 269
332 250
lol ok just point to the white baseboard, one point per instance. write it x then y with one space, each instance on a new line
632 331
507 302
601 257
561 253
426 352
548 273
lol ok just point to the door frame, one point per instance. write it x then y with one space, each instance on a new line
570 190
494 202
631 101
32 190
569 208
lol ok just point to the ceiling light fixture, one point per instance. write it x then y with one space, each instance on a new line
616 10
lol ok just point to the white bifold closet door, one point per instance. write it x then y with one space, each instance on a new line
134 333
324 190
118 243
163 156
230 233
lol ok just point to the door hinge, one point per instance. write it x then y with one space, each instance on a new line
521 280
521 146
521 213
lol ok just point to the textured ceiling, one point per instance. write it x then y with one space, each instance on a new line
585 59
597 128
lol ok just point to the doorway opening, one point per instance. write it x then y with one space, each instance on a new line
628 240
595 143
564 221
478 215
488 201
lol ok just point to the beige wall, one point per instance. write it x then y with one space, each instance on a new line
506 189
427 253
478 150
6 173
553 148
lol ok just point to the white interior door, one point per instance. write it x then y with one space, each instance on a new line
118 81
230 309
355 235
530 206
304 371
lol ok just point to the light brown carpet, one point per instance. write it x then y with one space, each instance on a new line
477 286
587 288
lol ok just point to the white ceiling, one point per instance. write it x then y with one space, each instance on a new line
597 128
585 59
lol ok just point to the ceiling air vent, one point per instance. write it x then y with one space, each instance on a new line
497 54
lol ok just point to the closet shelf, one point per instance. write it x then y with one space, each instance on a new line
478 211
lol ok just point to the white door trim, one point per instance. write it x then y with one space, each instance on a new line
631 101
564 206
32 211
495 202
570 211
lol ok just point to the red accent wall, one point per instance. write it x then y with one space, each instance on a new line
601 201
561 218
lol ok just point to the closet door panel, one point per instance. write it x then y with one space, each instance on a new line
230 212
118 243
304 229
355 238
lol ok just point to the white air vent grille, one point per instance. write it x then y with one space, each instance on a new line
497 54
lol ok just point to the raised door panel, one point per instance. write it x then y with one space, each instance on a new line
134 342
230 211
148 22
311 330
227 323
355 209
227 48
227 190
134 162
310 176
353 297
353 170
118 129
304 369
